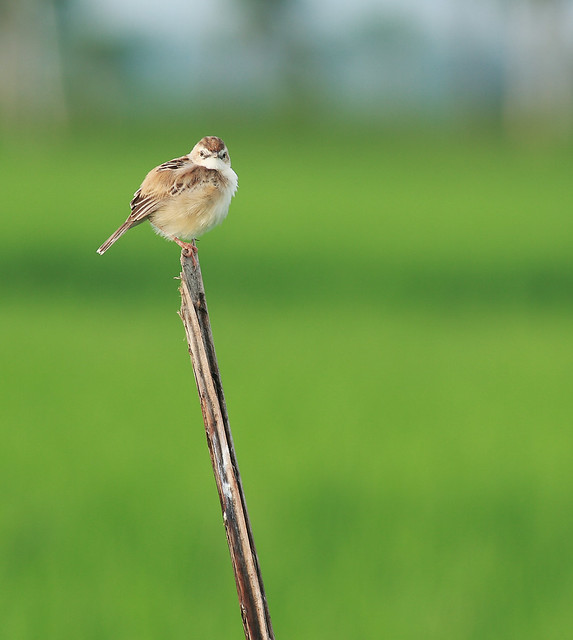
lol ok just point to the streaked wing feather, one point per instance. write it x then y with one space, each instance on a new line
192 177
143 205
176 163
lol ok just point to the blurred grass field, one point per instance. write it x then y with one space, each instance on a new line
393 320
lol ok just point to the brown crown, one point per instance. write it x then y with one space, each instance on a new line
212 143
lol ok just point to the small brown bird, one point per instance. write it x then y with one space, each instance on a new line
185 197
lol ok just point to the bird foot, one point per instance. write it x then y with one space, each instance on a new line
189 250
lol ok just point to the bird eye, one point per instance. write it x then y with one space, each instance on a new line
204 153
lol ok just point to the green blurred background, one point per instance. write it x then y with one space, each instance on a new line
391 299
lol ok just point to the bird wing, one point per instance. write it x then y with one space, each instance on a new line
176 163
166 181
190 178
143 205
157 187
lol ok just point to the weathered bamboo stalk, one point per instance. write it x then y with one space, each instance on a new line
195 317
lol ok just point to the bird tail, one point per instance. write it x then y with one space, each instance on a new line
116 235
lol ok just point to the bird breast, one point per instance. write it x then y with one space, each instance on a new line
189 213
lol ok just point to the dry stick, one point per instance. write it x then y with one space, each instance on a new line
252 599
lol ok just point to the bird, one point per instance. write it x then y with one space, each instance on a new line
184 197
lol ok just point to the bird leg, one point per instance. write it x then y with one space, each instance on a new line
189 250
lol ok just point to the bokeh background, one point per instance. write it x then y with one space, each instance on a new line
391 299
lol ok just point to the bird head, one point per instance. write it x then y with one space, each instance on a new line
211 152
